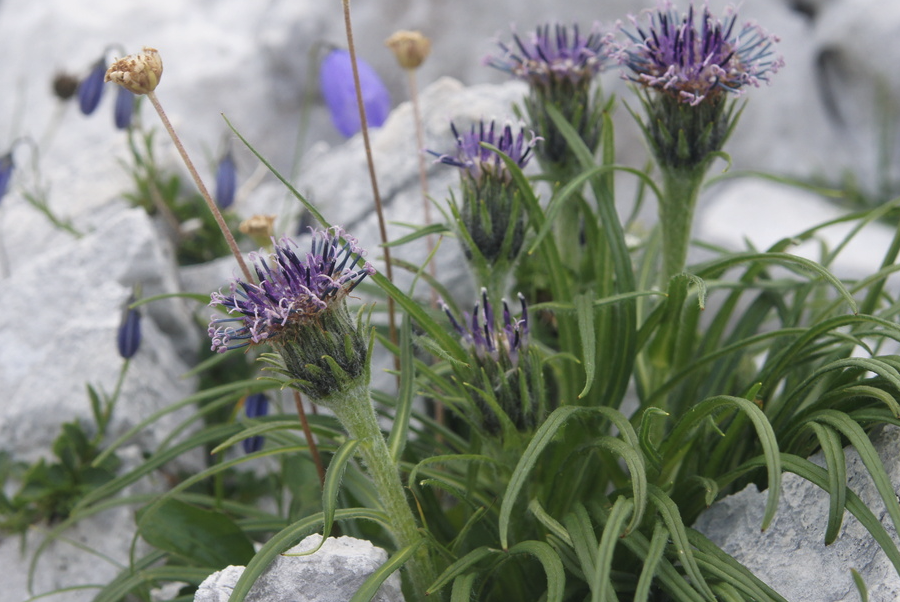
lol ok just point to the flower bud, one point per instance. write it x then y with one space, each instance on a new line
226 182
124 109
255 406
90 90
410 47
129 336
139 73
6 171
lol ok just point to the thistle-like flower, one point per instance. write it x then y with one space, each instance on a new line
299 308
490 211
499 351
559 64
339 91
688 71
90 90
140 73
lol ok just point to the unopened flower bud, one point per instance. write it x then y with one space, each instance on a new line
260 228
124 109
139 73
90 90
410 47
129 335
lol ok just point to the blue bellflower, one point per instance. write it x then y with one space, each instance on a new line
226 181
129 335
674 55
339 91
299 308
255 406
124 109
90 90
7 166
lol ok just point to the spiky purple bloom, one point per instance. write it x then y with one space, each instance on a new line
291 291
255 406
479 329
697 60
552 55
124 108
129 335
7 166
479 161
226 181
90 90
339 91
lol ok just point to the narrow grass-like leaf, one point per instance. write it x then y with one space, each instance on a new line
421 232
654 554
462 588
580 531
400 429
585 311
636 468
258 429
860 584
550 523
459 567
373 582
830 443
553 567
613 530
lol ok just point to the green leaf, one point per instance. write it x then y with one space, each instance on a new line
613 530
205 538
651 562
553 566
372 584
459 567
830 442
403 410
585 311
860 584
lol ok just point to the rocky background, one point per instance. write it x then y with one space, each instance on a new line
828 117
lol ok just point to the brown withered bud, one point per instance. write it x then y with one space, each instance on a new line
65 85
139 73
410 47
260 228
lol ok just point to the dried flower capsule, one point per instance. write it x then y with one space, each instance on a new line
226 181
255 406
124 109
129 336
410 47
139 73
65 85
260 228
90 90
6 172
339 91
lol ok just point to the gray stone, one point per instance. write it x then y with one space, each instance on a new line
791 555
332 574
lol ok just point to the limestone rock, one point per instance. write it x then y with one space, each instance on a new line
791 556
331 574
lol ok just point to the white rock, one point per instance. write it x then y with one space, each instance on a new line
332 574
791 555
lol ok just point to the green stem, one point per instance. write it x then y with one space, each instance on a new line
357 414
681 187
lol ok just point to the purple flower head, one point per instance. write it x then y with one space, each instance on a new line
226 181
7 166
291 292
550 56
696 61
479 161
129 335
480 331
336 80
90 90
124 108
255 406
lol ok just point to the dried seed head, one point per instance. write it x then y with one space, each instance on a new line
410 47
260 228
65 85
139 73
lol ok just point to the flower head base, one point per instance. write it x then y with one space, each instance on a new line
674 56
140 73
503 362
298 307
546 60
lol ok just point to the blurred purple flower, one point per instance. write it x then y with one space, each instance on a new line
90 90
255 406
543 59
6 172
124 108
129 337
674 55
339 91
226 181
